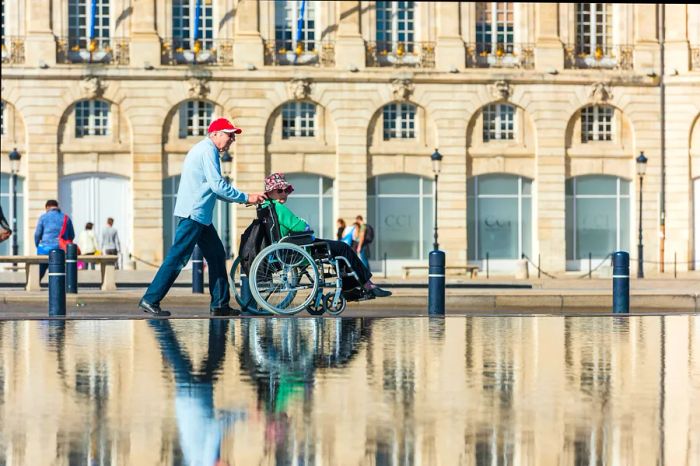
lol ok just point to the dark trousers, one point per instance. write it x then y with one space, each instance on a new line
110 252
188 234
338 248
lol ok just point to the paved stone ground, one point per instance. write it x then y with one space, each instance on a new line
463 297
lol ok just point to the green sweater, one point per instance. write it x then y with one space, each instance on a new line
289 222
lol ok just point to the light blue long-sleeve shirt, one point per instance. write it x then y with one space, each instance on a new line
201 184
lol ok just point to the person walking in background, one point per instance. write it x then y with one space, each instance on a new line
201 184
349 235
341 229
110 240
365 236
5 230
51 225
87 242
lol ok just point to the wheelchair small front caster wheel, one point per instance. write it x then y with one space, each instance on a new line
334 310
315 310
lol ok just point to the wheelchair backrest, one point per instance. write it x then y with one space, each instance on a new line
268 217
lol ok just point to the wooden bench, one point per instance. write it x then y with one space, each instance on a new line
31 268
468 269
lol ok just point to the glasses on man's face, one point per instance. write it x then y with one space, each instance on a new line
231 136
286 190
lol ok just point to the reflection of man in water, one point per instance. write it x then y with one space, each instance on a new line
201 430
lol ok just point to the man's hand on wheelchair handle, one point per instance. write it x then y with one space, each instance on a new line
256 198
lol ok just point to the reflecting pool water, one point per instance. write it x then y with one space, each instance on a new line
460 390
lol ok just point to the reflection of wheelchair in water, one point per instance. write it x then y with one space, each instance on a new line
291 274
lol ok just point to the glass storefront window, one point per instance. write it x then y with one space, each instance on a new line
597 216
312 200
499 216
400 208
6 203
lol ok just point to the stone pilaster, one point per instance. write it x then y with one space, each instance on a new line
549 52
349 46
247 41
145 43
676 45
449 50
646 43
40 45
351 169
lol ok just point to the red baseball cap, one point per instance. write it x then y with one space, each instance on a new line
222 124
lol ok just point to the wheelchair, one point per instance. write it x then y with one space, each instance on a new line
296 273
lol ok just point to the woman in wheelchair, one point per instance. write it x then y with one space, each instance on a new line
277 190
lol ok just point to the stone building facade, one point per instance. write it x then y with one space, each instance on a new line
539 111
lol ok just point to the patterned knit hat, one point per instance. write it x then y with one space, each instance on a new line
277 181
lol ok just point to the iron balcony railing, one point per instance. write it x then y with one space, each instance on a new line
614 57
13 50
316 53
98 51
183 51
417 54
506 55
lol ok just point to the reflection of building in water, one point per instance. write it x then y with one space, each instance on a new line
527 391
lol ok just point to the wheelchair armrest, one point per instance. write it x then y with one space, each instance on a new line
299 238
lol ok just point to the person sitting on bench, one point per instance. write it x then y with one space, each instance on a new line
277 189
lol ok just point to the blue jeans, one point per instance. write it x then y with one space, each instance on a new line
364 255
42 250
188 234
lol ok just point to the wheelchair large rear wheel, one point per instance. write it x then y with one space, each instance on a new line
283 278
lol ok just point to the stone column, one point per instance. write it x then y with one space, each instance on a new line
349 46
249 164
144 48
449 50
147 182
40 45
676 43
549 52
247 41
351 170
646 43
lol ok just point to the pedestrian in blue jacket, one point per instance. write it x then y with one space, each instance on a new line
48 229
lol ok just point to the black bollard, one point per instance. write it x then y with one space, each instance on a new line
57 283
436 283
247 301
72 268
197 271
621 282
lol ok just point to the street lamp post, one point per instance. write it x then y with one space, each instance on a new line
226 161
436 258
436 159
641 170
15 158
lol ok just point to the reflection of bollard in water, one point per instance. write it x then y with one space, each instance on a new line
436 283
57 283
621 282
197 271
71 268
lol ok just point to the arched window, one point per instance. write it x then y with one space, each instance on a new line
6 203
597 123
400 208
92 118
499 122
313 201
399 121
597 217
298 120
499 216
195 116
